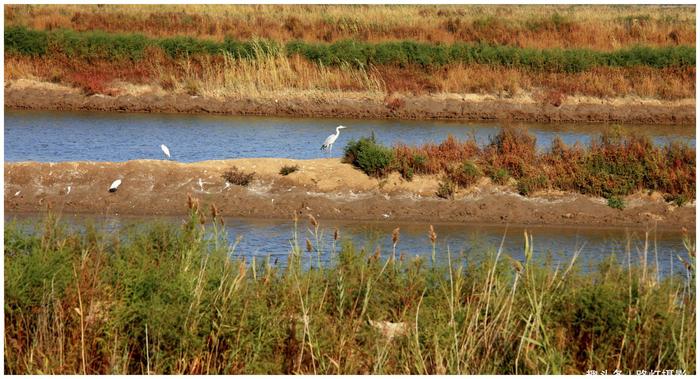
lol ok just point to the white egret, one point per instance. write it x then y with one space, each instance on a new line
328 143
166 151
115 185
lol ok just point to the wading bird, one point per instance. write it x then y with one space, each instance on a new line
166 151
115 185
328 143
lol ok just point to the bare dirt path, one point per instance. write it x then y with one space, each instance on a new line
325 188
29 94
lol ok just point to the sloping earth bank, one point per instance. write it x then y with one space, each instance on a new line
29 94
325 188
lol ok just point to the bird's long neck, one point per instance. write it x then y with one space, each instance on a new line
337 131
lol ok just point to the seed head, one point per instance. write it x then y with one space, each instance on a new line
192 203
309 246
432 235
516 265
312 220
395 235
202 218
336 234
214 211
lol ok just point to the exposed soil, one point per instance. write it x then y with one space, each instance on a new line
325 188
28 94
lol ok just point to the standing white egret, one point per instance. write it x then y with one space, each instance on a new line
115 185
328 143
166 151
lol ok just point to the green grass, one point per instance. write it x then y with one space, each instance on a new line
115 46
429 55
163 298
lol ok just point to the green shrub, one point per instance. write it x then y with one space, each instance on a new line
500 176
375 160
529 184
407 174
678 200
407 166
600 317
446 189
370 157
419 161
21 40
616 202
617 166
466 174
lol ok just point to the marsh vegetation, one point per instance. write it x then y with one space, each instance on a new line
613 166
179 299
544 51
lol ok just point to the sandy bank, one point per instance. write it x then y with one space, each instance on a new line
29 94
325 188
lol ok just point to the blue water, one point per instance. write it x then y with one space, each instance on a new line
274 238
50 136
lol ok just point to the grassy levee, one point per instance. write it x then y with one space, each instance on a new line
100 45
168 299
614 165
99 62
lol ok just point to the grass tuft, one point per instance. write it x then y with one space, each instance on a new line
240 178
288 169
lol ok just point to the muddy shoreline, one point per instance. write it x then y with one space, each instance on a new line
25 94
153 187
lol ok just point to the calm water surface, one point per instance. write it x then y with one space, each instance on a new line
50 136
72 136
274 238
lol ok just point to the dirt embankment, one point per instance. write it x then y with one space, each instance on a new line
29 94
325 188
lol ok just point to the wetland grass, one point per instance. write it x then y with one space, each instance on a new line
181 300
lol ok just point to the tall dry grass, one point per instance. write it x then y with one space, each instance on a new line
165 299
199 75
601 27
223 76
